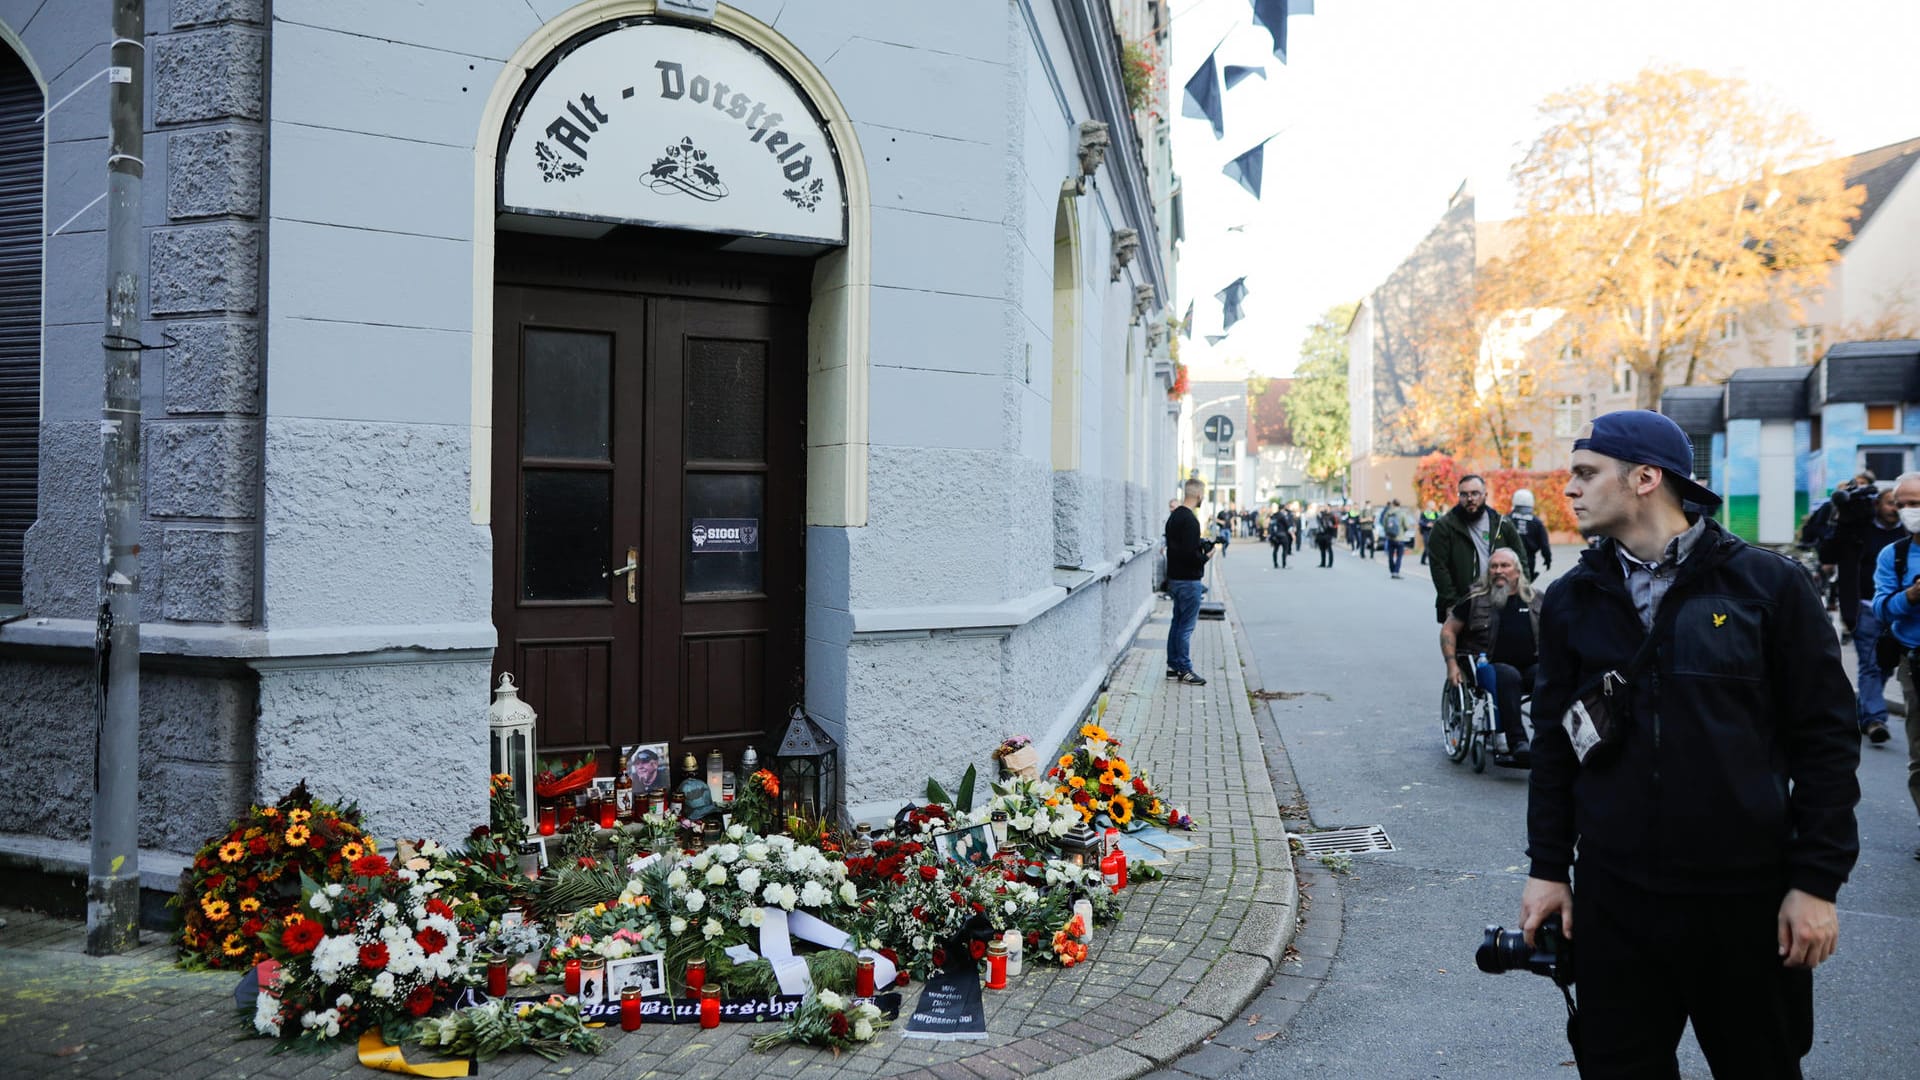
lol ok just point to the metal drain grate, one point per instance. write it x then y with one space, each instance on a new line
1349 841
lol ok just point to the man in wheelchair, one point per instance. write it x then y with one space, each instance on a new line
1499 618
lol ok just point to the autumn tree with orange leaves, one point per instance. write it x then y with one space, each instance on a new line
1652 206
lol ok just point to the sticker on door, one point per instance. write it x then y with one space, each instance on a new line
726 534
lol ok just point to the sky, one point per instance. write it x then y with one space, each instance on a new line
1387 106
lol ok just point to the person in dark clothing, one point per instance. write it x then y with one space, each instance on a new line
1500 620
1877 652
1852 516
1536 545
1328 527
1223 531
1733 722
1186 565
1461 541
1428 519
1280 536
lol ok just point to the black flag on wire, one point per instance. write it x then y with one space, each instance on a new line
1233 73
1247 168
1272 14
1186 324
1202 98
1230 298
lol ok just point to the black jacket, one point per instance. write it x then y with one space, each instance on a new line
1877 537
1186 554
1535 543
1737 771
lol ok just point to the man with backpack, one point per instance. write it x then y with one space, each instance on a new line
1396 527
1533 534
1877 651
1280 535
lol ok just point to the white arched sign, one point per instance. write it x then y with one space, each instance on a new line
670 126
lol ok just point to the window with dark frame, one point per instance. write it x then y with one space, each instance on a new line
22 166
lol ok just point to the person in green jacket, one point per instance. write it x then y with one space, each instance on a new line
1462 540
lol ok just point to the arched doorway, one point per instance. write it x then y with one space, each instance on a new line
666 198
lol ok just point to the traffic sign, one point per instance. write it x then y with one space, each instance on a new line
1219 428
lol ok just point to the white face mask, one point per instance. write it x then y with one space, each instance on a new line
1910 518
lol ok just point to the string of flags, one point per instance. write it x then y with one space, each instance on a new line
1230 298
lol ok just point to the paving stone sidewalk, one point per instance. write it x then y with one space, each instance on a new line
1189 953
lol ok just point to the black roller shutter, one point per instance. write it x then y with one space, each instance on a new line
22 166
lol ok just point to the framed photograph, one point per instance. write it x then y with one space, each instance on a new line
533 855
646 973
601 786
650 766
972 846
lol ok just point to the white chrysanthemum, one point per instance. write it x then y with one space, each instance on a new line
798 860
848 894
406 875
815 895
862 1030
382 987
677 879
831 1000
728 853
780 844
748 880
695 901
389 909
266 1014
772 893
716 874
334 955
344 1001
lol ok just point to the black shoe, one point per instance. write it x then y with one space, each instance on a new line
1191 679
1172 674
1876 733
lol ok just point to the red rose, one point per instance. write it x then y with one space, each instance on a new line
1108 789
257 845
956 898
370 866
431 941
373 957
899 879
586 862
920 913
912 848
977 948
1099 764
253 926
216 882
420 1000
901 979
301 937
437 906
1140 786
838 1025
939 958
979 908
928 873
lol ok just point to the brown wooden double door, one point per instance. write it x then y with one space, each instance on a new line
649 493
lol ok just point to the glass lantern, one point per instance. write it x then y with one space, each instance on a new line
808 764
510 725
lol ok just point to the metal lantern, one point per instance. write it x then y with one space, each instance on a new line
808 764
510 723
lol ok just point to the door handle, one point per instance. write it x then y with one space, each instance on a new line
631 573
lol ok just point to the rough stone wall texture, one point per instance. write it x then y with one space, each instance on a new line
917 701
367 526
424 769
196 751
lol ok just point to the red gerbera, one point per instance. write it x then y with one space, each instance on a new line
420 1000
431 941
370 866
1139 786
373 957
257 845
437 906
301 937
838 1025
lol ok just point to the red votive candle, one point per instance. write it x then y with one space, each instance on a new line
497 976
710 1007
863 978
696 974
566 812
546 821
609 814
1114 868
997 965
630 1009
572 980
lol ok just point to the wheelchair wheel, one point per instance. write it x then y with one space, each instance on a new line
1456 721
1483 728
1477 753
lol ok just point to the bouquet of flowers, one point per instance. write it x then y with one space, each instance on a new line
561 777
549 1028
376 951
1096 781
826 1019
757 804
1037 815
1067 948
249 876
1016 756
623 927
923 907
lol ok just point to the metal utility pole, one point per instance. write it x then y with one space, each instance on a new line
113 873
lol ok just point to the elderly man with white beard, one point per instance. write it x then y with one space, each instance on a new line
1498 618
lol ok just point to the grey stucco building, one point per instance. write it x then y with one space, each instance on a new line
475 304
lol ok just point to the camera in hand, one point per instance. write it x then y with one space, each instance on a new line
1503 950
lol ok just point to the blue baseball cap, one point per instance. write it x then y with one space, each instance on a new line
1643 437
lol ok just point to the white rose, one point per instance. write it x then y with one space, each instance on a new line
320 903
798 860
1011 907
266 1014
1022 823
677 879
695 901
335 889
678 925
755 852
831 1000
701 861
712 929
1060 827
748 880
862 1030
788 897
848 894
736 832
759 915
717 875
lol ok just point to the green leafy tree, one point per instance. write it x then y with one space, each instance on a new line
1317 405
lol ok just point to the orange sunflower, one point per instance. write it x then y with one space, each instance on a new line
216 909
232 944
299 817
250 904
351 850
232 851
297 835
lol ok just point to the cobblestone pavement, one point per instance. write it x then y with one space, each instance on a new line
1189 953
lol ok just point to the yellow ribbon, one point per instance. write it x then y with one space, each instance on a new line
375 1053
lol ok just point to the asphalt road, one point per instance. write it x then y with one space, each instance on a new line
1403 998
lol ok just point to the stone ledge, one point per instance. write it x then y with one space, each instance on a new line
1103 1064
1172 1035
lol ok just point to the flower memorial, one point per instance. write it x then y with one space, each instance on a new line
1098 783
826 1018
249 876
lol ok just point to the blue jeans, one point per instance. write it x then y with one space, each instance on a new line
1396 549
1186 611
1870 706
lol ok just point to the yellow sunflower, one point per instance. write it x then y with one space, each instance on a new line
1156 809
271 873
232 945
216 909
299 817
1086 813
1095 732
1121 770
297 835
269 812
232 851
250 904
294 917
1076 782
1120 809
352 850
